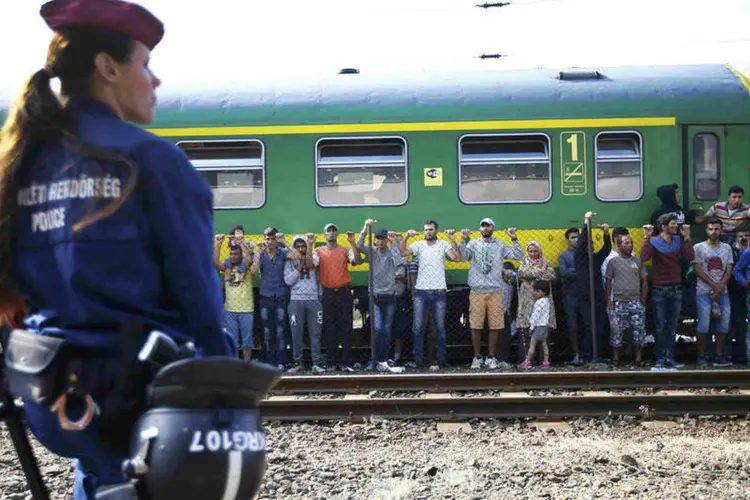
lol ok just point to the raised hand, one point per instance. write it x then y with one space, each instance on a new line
350 236
370 222
411 233
450 233
310 238
465 233
392 236
219 238
589 215
511 232
648 231
604 227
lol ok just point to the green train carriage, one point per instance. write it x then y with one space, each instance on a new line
533 149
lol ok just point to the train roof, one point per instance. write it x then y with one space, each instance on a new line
703 93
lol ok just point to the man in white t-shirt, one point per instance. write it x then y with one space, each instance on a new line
430 289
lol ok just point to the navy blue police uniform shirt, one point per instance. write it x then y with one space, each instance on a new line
151 260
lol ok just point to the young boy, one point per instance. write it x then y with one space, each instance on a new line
539 323
627 290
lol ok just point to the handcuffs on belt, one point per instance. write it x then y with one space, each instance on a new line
61 404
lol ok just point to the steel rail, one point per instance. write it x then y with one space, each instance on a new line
441 382
508 406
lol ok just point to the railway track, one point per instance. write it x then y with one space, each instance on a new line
506 395
514 381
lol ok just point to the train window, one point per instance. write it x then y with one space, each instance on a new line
234 169
504 168
619 166
361 171
706 166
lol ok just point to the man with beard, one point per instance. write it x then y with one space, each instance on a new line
430 290
270 260
713 265
485 280
737 302
333 262
384 260
626 292
666 250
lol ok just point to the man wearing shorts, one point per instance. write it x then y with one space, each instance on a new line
626 293
485 279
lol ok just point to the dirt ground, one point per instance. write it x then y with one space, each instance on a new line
584 458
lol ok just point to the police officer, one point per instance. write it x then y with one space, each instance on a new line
111 225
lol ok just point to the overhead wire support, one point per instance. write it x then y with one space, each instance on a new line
491 56
489 5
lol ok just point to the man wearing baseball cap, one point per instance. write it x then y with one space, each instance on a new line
384 261
486 281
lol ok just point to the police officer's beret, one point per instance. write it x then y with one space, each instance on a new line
116 15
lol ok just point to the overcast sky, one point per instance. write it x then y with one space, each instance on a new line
253 40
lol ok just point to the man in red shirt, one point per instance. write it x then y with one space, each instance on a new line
666 249
333 262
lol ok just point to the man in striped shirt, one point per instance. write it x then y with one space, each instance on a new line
733 213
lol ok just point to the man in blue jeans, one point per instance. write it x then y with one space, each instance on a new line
742 277
430 290
384 260
270 260
738 341
666 249
713 266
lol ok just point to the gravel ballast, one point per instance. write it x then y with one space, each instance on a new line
589 458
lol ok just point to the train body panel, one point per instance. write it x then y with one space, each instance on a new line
533 149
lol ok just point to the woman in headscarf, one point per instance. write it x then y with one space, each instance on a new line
533 267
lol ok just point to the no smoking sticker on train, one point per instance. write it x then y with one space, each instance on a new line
573 163
433 177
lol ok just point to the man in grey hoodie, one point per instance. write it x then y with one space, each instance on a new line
305 307
485 279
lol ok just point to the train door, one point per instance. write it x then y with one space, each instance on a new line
718 156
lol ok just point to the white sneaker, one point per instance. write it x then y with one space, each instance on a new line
491 363
386 368
502 365
435 368
318 369
475 365
280 366
294 369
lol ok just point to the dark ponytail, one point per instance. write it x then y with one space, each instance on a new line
38 116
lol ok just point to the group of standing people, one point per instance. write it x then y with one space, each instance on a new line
308 288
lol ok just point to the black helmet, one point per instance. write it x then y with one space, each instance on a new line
202 436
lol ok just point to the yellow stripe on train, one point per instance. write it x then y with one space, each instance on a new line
552 241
